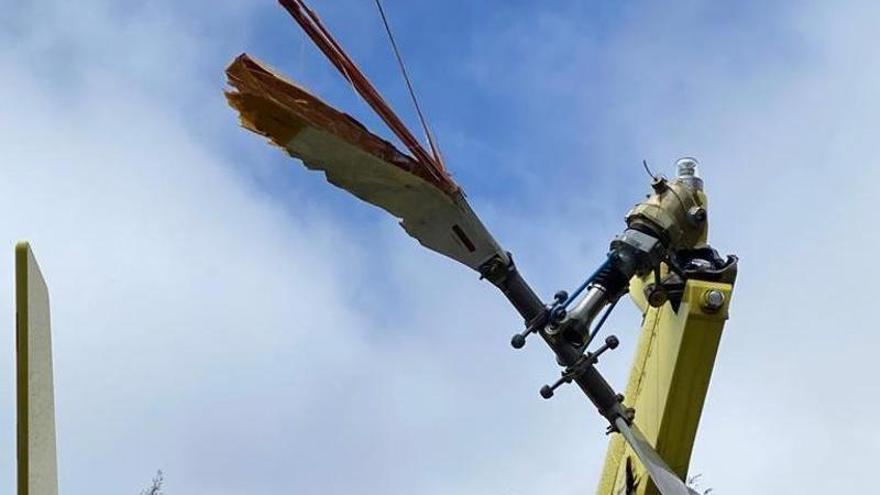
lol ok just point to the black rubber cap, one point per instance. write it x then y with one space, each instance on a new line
612 342
518 341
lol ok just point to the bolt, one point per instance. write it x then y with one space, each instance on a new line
657 295
697 214
713 299
558 314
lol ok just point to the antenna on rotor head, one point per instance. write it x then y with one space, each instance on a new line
648 169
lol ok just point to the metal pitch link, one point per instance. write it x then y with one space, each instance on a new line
550 313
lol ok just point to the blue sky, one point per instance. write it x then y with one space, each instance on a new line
223 314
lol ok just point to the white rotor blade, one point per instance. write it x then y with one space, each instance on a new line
431 206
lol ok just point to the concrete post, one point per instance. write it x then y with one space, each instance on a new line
35 394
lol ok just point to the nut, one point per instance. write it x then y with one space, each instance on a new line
713 300
657 295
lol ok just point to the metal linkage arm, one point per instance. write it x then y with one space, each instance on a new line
670 221
579 367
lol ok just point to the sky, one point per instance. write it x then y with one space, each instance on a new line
224 315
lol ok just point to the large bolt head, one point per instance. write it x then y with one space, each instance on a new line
713 300
697 214
558 314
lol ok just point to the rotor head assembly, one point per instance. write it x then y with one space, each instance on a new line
675 213
667 229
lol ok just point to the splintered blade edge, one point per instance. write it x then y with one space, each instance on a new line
278 108
434 212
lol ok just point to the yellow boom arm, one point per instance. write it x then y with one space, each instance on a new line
668 381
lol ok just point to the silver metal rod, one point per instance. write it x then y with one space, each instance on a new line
584 311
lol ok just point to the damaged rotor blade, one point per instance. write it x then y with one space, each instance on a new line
431 206
313 27
666 481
